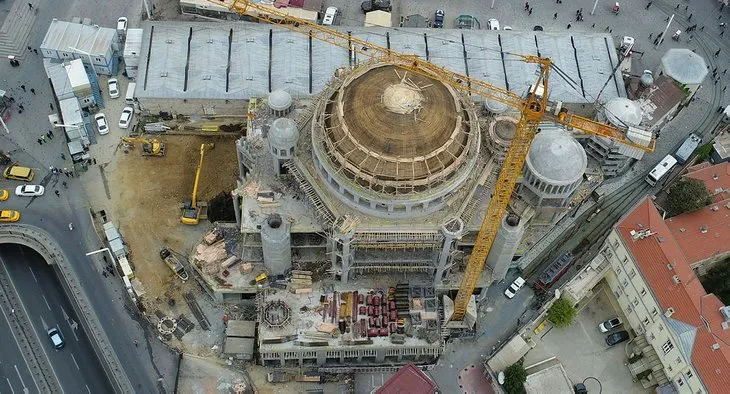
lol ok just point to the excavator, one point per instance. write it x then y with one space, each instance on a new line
534 108
149 147
191 209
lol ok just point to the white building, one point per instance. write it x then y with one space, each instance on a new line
90 43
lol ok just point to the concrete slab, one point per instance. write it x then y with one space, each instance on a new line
582 350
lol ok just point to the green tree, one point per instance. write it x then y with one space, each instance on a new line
562 313
514 378
717 281
687 195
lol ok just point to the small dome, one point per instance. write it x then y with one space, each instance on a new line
622 112
557 158
283 133
647 79
279 100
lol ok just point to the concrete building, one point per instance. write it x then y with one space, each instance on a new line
554 169
682 333
720 148
132 52
61 75
505 245
408 379
92 44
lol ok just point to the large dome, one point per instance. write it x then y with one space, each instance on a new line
557 158
622 112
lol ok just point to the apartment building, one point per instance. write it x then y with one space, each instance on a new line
681 333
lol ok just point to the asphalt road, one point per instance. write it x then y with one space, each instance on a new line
14 373
76 365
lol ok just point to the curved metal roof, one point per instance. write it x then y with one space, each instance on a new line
684 66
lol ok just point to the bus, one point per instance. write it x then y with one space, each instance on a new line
661 169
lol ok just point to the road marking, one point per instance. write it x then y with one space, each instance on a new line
33 273
87 388
75 363
47 304
74 326
10 385
20 377
65 315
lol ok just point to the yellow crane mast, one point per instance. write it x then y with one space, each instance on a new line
533 110
191 209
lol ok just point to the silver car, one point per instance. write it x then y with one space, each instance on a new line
101 123
113 85
126 117
29 190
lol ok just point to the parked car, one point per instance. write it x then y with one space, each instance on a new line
507 28
122 25
126 117
56 338
493 24
610 324
101 123
29 190
514 287
113 85
329 16
616 338
580 388
438 19
9 216
593 215
4 194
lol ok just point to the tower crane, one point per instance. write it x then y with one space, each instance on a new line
191 209
534 109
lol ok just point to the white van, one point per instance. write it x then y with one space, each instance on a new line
329 16
129 97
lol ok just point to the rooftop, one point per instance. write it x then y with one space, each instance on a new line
721 145
715 177
94 40
588 58
659 99
552 379
408 380
704 233
684 66
691 304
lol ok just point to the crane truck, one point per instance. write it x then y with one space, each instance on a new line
191 209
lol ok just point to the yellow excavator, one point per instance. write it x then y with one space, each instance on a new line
149 147
191 209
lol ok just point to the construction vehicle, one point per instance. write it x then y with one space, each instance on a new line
191 209
149 147
534 109
174 263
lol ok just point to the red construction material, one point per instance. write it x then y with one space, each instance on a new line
371 322
361 298
383 332
377 311
369 299
371 311
391 305
393 315
372 333
376 300
385 320
377 322
363 310
363 328
392 328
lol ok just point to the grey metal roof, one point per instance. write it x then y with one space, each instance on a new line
588 59
684 66
686 333
59 79
557 157
62 35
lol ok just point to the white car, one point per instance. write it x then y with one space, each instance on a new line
113 88
101 123
126 117
493 24
514 287
329 16
122 25
29 190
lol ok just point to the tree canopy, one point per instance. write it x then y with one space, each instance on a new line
562 313
687 195
514 379
717 281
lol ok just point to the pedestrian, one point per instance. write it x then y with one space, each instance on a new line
43 137
577 12
29 48
689 18
94 159
555 15
58 194
35 51
650 35
648 5
724 71
65 170
720 109
135 343
21 106
63 157
718 52
50 132
722 32
65 185
714 70
568 26
593 26
723 88
656 41
702 27
607 27
22 87
40 142
677 7
67 174
530 11
527 6
32 91
51 105
686 7
666 19
30 6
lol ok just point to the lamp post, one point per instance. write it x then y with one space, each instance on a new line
91 61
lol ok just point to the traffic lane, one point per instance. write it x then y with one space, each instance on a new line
14 372
76 365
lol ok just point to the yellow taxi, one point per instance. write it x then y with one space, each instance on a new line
4 194
9 216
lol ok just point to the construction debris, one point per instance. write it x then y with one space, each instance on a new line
197 312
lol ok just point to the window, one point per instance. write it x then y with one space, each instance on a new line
618 293
625 283
654 312
643 292
680 382
678 360
646 323
636 302
632 273
618 271
651 336
668 346
689 374
661 327
625 260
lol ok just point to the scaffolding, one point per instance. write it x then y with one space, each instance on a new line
397 240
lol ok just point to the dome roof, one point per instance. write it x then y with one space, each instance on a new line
279 100
622 112
684 66
283 133
557 157
647 78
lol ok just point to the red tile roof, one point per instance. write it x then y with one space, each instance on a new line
660 257
703 233
716 178
408 380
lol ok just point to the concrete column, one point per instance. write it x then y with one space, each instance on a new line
451 230
237 209
344 255
321 357
380 355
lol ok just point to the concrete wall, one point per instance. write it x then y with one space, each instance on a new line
177 106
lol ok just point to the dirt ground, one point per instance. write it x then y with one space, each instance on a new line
149 190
